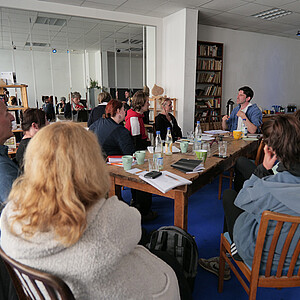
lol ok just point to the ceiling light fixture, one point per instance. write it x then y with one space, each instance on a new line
54 50
298 33
272 14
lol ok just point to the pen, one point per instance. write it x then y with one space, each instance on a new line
172 177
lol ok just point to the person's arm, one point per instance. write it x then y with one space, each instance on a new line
125 141
9 173
250 126
176 129
224 122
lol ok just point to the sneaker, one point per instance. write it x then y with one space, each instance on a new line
212 265
150 216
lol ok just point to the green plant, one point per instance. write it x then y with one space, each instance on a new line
94 84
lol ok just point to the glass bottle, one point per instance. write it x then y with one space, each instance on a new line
244 128
168 142
197 136
159 150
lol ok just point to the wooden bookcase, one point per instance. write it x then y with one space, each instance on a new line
208 95
24 101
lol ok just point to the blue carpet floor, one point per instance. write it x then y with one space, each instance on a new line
205 222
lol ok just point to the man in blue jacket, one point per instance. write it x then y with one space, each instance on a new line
244 111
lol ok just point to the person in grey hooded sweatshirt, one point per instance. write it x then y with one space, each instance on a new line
265 190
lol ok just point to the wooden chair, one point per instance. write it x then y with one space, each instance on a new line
258 160
30 283
256 277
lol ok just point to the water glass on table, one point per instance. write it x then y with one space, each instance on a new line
153 164
222 148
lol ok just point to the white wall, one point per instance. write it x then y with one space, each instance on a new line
179 63
270 65
123 70
60 66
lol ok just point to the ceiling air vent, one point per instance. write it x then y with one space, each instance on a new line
136 42
35 44
50 21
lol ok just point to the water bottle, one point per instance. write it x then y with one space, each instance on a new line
197 136
244 128
168 142
159 150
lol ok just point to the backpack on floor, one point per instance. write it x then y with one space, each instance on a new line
181 245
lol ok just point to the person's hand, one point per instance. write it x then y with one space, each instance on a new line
241 114
269 158
225 118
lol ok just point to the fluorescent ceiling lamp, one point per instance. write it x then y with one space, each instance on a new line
271 14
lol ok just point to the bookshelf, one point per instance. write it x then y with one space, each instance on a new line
208 94
17 108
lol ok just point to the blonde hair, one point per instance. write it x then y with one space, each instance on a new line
104 97
64 175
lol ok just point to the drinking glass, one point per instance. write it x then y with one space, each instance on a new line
153 164
222 148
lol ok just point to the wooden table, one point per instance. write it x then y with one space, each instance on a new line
213 167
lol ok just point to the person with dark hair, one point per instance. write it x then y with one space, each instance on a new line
99 111
165 119
265 191
116 140
244 111
33 120
60 107
134 120
127 97
112 136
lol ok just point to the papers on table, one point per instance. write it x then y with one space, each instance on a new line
207 138
174 149
216 131
166 181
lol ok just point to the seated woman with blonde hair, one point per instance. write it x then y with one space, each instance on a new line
58 220
165 119
99 111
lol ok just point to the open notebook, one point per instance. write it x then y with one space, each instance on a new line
166 181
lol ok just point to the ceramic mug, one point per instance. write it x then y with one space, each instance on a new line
140 157
127 162
201 155
184 146
237 134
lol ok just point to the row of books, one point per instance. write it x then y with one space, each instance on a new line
209 77
209 64
214 103
210 91
205 50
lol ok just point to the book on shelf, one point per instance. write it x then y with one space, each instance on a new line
188 165
209 50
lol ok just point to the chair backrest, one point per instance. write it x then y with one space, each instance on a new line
281 220
33 284
260 153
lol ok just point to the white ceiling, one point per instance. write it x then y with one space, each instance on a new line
234 14
76 34
82 33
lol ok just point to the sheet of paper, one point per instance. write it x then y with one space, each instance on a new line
174 149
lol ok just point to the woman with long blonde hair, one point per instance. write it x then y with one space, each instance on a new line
58 220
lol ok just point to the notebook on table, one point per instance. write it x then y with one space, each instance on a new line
188 165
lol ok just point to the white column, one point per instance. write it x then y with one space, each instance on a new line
179 63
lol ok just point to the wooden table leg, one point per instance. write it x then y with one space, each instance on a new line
180 210
114 188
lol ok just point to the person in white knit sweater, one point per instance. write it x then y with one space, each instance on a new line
58 220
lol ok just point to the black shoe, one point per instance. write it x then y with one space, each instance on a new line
150 216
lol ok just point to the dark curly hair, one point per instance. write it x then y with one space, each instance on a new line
282 134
